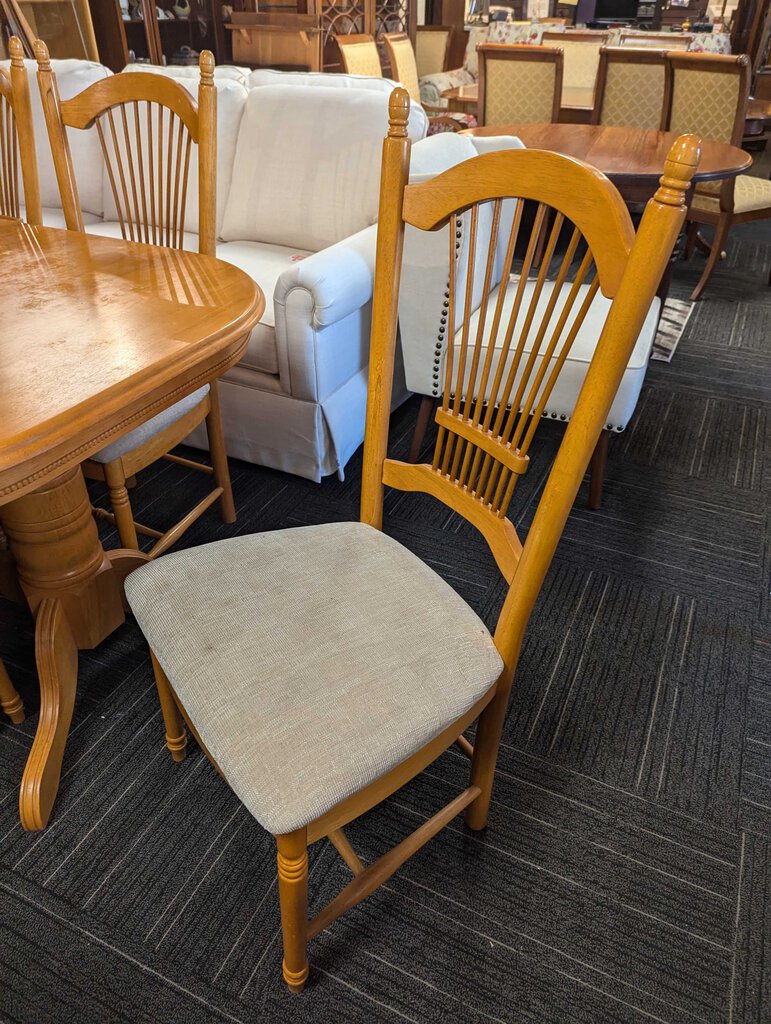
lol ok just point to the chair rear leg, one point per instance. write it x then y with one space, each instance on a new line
718 242
425 412
486 744
121 506
597 470
292 857
176 737
219 456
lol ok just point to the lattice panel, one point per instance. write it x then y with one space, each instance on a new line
343 17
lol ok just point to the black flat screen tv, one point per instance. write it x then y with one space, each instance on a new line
616 10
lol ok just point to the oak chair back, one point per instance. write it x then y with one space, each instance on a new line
147 127
401 57
18 160
630 87
582 55
432 48
519 83
359 55
502 363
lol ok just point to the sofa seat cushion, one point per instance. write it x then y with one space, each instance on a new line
134 438
265 264
562 400
311 661
112 229
53 217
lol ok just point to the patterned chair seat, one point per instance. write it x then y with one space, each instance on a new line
750 193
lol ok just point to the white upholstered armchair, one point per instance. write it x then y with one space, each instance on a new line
424 304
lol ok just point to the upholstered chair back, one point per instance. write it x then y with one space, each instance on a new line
404 67
657 40
519 83
308 164
358 54
630 87
582 55
432 44
707 94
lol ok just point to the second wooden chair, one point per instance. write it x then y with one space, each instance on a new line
519 83
630 87
159 148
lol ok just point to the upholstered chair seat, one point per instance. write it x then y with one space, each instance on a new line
134 438
312 660
750 193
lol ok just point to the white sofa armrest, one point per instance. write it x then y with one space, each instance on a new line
322 308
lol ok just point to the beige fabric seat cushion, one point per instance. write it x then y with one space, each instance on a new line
311 661
134 438
750 194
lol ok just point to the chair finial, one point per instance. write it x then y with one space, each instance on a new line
206 65
16 51
398 113
41 55
682 160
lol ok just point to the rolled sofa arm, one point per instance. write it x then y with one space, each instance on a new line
322 314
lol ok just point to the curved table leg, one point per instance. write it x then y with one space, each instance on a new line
75 593
10 701
57 663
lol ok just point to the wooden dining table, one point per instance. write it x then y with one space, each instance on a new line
99 335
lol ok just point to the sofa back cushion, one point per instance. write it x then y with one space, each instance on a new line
307 165
418 122
231 100
221 71
72 77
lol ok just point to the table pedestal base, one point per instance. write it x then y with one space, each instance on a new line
10 701
75 591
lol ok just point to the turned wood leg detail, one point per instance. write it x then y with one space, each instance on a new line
121 505
219 456
57 664
176 737
10 701
293 895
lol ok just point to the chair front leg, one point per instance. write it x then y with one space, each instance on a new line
176 736
292 856
219 456
121 506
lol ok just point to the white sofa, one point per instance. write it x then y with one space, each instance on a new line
423 299
298 179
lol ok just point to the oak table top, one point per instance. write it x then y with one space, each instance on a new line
633 158
99 335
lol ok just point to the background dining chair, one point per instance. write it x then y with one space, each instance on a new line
432 48
519 83
324 667
404 69
630 87
17 143
582 56
657 40
10 701
359 55
148 126
708 93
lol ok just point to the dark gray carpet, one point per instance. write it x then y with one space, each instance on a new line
626 872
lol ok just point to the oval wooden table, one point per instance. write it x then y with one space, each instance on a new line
99 335
633 158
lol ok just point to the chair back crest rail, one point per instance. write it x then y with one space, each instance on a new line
147 126
503 360
18 160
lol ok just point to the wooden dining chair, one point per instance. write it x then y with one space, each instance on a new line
657 40
404 69
519 83
708 93
147 126
18 160
432 49
581 54
322 668
359 55
630 87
